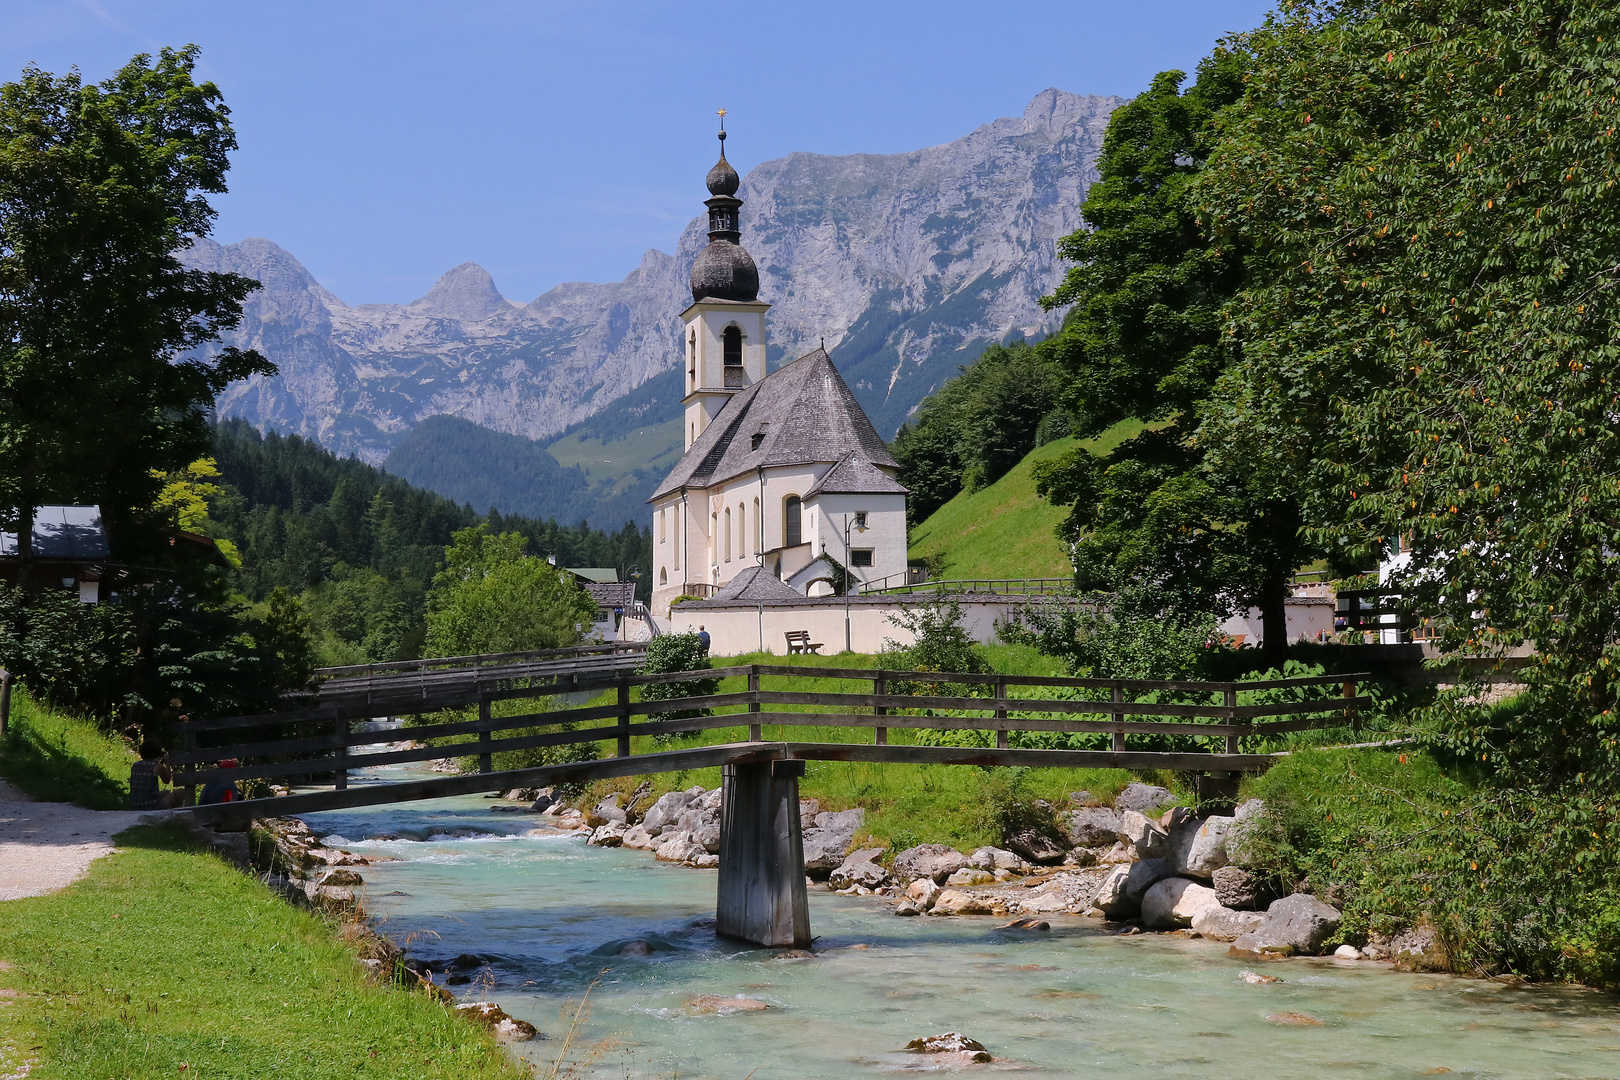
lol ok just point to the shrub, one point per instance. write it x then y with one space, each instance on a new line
671 653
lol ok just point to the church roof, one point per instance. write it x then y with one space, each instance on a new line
756 583
854 475
803 413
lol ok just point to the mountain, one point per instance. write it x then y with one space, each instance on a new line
482 468
905 264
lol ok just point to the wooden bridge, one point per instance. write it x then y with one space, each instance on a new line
761 891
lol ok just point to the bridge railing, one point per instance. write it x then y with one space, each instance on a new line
319 744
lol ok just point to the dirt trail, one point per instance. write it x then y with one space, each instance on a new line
46 846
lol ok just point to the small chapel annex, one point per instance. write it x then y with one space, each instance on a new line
782 472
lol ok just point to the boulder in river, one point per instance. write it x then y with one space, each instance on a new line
861 868
1220 923
1296 924
935 861
1142 797
953 1043
827 841
1120 894
959 902
1093 826
1037 847
1418 949
637 836
720 1005
507 1029
923 892
994 858
608 835
1143 836
1176 901
1243 890
1205 849
666 811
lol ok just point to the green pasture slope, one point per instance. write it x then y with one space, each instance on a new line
1005 530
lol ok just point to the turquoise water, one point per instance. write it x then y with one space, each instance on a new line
551 916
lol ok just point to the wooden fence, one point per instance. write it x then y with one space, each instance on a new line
995 707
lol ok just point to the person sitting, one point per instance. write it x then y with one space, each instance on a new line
218 791
145 778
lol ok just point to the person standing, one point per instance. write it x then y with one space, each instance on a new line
703 640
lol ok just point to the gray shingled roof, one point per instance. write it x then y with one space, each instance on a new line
854 475
758 584
804 413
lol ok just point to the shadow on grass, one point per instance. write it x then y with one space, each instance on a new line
52 771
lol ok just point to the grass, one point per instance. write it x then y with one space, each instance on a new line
61 758
1006 530
609 463
166 961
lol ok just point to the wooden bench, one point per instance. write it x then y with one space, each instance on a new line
798 641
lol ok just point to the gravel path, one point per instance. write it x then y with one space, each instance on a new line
46 846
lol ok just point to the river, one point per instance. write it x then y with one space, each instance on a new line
550 916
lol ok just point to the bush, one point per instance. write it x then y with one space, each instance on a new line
671 653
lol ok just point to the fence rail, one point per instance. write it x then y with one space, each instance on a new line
904 700
996 586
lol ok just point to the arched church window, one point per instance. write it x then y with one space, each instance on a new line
663 576
732 340
792 529
728 534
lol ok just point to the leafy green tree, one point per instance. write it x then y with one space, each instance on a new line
104 386
493 598
1428 190
1145 341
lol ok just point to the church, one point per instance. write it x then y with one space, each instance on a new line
783 474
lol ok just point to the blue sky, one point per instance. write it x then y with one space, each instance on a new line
383 143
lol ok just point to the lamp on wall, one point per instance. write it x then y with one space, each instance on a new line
858 522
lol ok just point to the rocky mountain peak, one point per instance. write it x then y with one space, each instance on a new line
466 293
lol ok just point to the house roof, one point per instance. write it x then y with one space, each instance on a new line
594 573
854 475
802 413
758 584
63 532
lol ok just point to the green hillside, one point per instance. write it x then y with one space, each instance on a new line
1005 530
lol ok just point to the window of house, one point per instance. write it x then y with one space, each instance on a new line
792 529
732 340
860 557
728 534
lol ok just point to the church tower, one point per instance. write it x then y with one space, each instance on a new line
723 332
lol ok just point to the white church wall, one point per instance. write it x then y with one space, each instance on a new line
734 630
885 532
1308 618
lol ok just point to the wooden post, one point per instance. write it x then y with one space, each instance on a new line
880 687
1001 713
485 763
1119 718
761 895
341 780
5 702
1355 713
753 706
624 714
188 740
1231 704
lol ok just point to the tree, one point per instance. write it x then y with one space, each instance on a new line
1429 190
493 598
103 386
1144 343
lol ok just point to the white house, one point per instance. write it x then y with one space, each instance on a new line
779 469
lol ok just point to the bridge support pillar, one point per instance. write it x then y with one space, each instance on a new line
761 897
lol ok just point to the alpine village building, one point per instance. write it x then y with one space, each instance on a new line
783 474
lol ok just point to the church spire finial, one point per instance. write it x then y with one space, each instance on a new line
723 270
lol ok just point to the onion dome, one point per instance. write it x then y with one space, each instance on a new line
723 270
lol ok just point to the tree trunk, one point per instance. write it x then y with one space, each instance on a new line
25 541
1274 619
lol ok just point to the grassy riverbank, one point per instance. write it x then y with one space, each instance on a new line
166 961
61 758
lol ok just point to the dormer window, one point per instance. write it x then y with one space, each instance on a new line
757 441
732 341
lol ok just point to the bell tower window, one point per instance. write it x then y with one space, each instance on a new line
733 346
